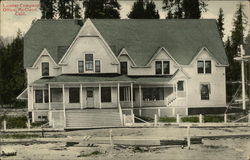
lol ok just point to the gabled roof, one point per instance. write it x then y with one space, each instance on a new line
141 38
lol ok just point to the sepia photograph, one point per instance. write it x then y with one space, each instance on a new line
124 79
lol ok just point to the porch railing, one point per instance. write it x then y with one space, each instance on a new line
171 98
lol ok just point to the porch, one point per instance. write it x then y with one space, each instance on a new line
121 94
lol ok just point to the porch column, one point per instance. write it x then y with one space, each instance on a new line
81 102
64 111
49 97
118 94
140 95
131 97
100 96
32 97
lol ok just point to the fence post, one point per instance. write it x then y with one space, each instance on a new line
156 119
188 137
28 123
225 118
249 116
111 138
4 125
200 118
177 118
133 119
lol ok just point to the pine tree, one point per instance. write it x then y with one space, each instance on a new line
12 73
47 8
68 9
237 39
189 9
101 9
150 11
220 23
144 10
138 11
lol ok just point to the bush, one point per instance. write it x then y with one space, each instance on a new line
37 124
167 119
14 122
190 119
213 119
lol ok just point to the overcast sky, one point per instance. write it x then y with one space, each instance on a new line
11 22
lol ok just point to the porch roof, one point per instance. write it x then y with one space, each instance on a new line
103 78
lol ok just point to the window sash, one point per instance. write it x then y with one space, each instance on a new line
106 94
180 85
89 62
153 94
45 69
200 66
158 67
46 96
97 66
124 67
208 67
38 96
74 95
205 91
81 66
166 67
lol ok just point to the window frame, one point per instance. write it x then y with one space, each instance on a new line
204 69
70 98
162 62
97 60
209 91
83 66
104 95
42 68
122 69
86 62
148 94
42 98
183 85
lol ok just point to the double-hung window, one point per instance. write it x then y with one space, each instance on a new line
80 66
89 64
97 66
162 67
74 95
106 94
205 90
45 68
204 66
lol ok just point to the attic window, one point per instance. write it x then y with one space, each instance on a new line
45 68
89 62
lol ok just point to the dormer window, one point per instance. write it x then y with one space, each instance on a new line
89 64
45 68
162 67
124 67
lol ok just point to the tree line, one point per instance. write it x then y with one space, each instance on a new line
12 73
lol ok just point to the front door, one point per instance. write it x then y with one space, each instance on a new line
90 97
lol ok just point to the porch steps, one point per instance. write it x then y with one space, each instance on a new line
92 118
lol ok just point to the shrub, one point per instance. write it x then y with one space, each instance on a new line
213 119
167 119
14 122
38 124
190 119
